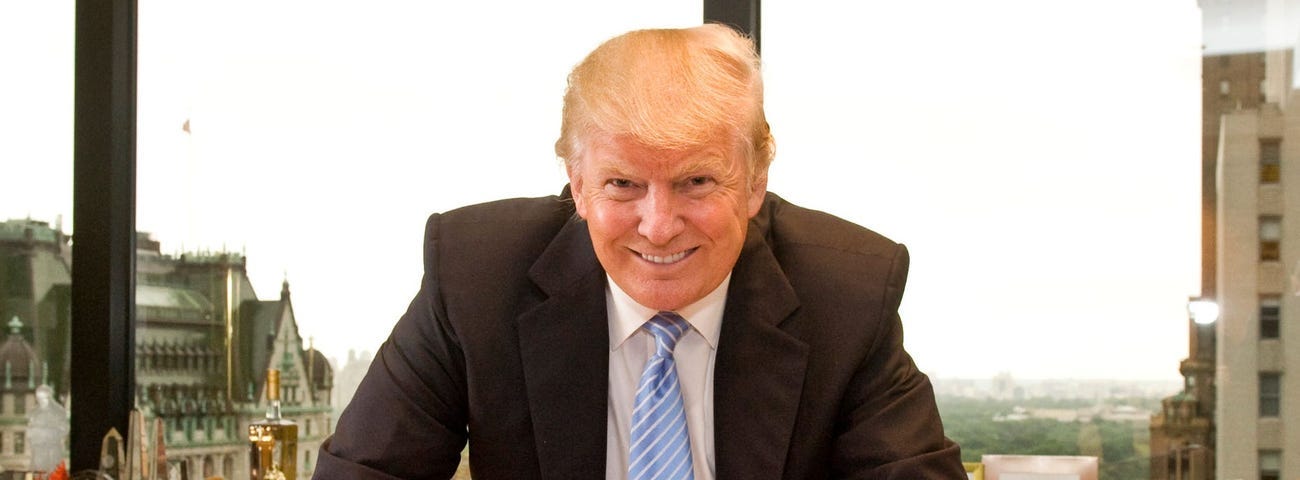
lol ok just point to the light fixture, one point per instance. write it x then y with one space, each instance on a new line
1202 311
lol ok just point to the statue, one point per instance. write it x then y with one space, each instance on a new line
47 427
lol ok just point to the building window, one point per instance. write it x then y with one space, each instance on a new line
1270 394
1270 238
1270 465
20 442
1270 160
1270 313
1225 87
20 404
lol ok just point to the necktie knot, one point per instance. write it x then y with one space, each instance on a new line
667 328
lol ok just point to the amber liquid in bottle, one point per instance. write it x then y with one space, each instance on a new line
273 442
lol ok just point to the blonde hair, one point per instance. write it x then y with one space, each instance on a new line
669 89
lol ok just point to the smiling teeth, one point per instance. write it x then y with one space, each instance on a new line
674 258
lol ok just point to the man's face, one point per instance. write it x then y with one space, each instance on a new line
667 225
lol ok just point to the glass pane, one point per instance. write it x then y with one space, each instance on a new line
1269 394
1270 461
992 146
1270 152
36 43
1270 228
1043 176
287 162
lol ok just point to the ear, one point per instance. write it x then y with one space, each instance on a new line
757 191
575 188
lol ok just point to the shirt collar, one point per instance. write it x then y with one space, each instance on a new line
626 316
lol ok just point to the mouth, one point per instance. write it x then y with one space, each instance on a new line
667 259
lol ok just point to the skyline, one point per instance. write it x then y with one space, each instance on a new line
1044 177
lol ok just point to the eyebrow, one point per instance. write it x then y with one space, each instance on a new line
708 160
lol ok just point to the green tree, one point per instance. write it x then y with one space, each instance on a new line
1121 447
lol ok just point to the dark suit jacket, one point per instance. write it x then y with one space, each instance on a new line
506 344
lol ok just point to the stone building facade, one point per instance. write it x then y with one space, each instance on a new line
204 341
1257 415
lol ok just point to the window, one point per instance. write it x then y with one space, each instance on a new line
1270 394
20 404
1270 238
1224 87
1270 160
1270 309
1270 465
193 155
20 442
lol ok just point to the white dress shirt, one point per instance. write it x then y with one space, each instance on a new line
629 349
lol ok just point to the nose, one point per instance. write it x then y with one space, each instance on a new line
660 216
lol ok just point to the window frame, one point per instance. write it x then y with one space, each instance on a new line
1270 238
1270 160
1270 462
1270 317
103 191
1270 395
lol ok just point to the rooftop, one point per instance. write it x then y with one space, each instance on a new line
19 229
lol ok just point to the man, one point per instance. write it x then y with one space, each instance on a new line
664 317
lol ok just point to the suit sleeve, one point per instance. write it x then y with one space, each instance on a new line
408 417
890 424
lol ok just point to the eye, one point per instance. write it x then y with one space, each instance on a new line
698 185
621 189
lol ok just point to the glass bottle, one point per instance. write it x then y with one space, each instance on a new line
273 442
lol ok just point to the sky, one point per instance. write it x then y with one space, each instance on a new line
1040 160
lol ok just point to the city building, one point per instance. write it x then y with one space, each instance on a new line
23 372
1258 280
204 341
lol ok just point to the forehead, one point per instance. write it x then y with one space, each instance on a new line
624 153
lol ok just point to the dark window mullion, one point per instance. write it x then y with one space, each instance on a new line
103 249
742 14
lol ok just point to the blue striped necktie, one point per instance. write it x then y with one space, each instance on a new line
661 448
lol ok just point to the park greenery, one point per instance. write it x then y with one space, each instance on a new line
1122 447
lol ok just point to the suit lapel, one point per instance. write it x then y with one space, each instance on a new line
758 377
564 346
